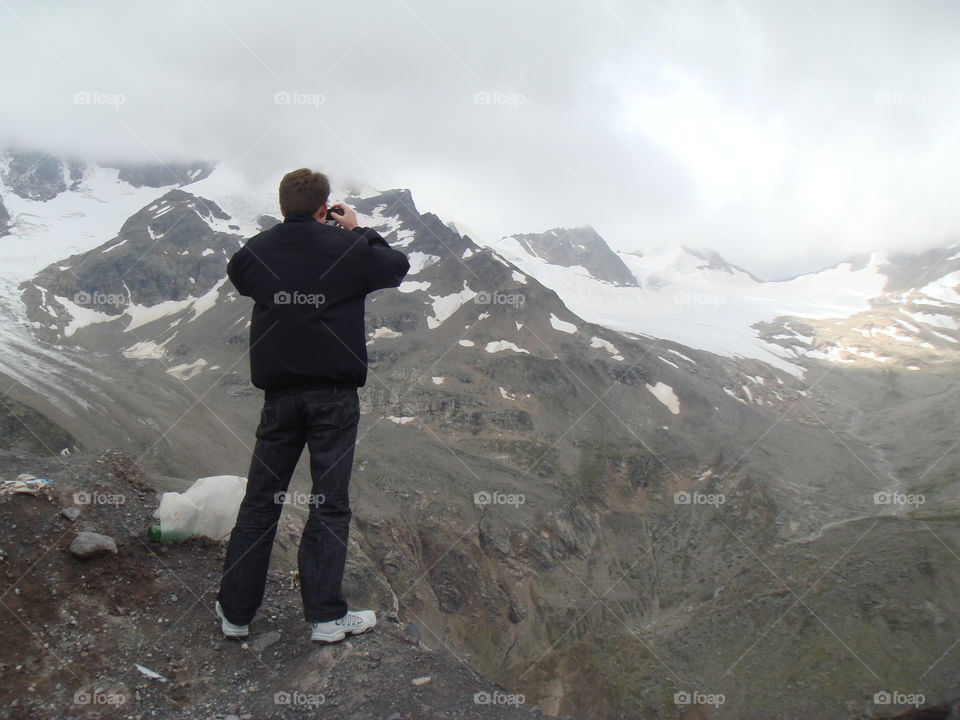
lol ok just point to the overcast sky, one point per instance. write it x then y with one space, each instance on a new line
785 134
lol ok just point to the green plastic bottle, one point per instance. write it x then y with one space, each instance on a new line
157 534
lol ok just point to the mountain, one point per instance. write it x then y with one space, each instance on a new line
699 300
59 206
599 491
578 248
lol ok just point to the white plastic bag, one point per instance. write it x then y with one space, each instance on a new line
208 507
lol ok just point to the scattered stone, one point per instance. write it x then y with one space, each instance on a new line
152 674
262 642
90 544
70 513
421 680
413 632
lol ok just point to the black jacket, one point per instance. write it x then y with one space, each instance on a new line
308 281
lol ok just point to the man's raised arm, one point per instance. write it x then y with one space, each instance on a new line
386 267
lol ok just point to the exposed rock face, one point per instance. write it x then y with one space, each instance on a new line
22 428
265 222
157 175
579 246
4 219
37 176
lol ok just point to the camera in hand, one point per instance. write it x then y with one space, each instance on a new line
334 211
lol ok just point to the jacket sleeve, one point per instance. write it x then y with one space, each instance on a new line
238 270
386 267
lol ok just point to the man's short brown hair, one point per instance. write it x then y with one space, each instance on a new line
303 191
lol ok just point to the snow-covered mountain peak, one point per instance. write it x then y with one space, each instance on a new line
581 249
56 207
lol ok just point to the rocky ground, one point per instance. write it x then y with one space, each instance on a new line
132 633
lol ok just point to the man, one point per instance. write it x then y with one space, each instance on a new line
308 280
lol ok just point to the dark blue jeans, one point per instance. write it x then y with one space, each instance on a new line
325 419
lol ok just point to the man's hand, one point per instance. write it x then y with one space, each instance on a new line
348 220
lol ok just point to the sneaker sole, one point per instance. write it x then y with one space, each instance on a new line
337 637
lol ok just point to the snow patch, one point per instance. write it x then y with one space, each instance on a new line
598 342
384 224
409 286
446 305
501 345
146 350
144 314
940 321
944 289
185 371
421 261
114 247
562 325
384 332
681 355
404 238
81 317
665 394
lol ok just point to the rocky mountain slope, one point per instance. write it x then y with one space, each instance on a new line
608 493
128 632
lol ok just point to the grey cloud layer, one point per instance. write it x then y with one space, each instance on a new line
784 134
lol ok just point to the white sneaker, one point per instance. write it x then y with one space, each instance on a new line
229 629
353 623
